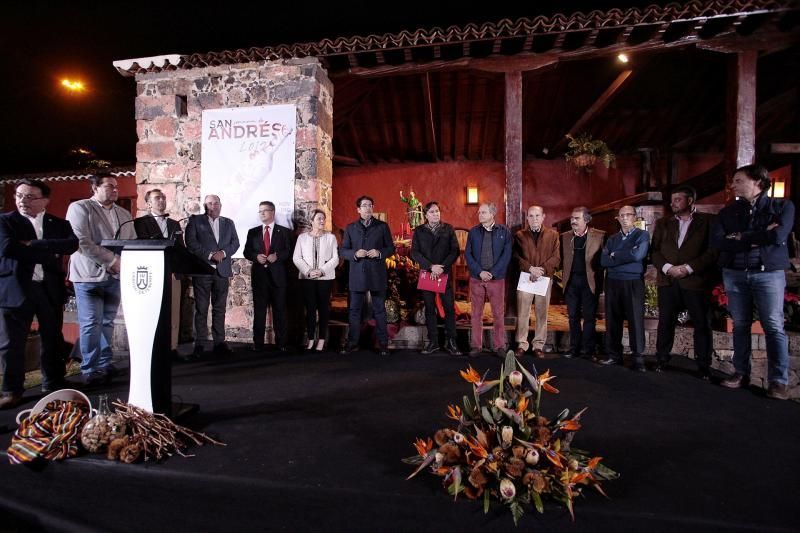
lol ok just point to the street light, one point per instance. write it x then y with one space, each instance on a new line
73 86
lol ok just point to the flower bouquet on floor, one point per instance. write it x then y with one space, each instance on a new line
503 449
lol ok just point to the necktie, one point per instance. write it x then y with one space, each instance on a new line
266 240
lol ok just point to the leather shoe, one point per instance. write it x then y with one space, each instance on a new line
383 350
283 349
222 349
47 388
704 374
639 367
9 400
661 366
430 347
519 352
570 354
452 347
197 353
608 361
736 381
538 353
777 391
350 348
475 351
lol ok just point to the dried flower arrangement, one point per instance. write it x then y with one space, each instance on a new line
503 449
584 151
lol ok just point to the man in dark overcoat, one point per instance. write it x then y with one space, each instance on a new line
366 245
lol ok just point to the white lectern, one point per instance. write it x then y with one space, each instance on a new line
147 267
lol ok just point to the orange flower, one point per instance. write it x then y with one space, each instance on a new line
454 412
471 375
522 405
423 447
544 378
570 425
593 462
477 449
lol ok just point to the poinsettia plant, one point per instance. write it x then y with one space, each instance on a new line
501 448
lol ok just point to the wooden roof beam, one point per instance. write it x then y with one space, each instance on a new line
596 107
430 125
356 141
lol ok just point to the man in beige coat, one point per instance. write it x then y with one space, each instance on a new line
583 279
536 251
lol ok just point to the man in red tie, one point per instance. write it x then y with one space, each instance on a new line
269 247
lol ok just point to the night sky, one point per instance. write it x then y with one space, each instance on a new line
41 43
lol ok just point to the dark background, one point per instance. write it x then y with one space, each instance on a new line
43 42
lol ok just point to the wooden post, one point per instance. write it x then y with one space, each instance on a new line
513 148
740 118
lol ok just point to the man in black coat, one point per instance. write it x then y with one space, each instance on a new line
32 245
269 247
367 243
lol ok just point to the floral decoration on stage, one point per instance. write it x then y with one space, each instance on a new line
503 449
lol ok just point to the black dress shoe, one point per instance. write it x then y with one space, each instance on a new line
383 350
704 374
430 347
283 349
452 347
222 349
56 385
608 361
197 353
350 348
661 367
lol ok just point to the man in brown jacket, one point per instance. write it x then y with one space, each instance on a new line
583 280
536 250
682 254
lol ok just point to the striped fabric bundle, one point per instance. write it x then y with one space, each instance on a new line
52 434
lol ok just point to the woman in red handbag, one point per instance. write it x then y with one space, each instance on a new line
435 248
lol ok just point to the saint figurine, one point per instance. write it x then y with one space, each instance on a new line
414 209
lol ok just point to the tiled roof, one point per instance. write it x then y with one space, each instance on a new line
49 176
596 21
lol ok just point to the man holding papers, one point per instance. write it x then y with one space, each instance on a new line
537 251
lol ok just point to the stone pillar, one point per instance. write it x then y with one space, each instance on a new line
169 105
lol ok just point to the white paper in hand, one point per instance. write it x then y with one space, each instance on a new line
539 286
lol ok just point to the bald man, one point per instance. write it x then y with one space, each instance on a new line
537 253
213 239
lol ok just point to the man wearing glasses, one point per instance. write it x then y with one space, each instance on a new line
623 257
94 272
367 243
583 280
32 244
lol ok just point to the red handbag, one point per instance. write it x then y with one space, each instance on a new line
427 283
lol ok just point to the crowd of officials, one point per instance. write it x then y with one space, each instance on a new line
747 241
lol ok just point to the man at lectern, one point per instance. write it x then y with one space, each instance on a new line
158 225
213 239
94 272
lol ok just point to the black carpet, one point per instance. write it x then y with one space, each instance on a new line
315 442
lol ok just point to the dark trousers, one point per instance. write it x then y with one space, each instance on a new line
624 301
215 289
14 326
317 297
378 310
429 297
671 301
267 294
581 305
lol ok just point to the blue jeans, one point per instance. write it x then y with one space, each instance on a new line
765 290
97 307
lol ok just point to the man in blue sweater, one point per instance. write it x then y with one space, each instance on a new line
623 258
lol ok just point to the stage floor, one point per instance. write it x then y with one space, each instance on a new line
314 443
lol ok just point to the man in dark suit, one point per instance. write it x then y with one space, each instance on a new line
157 225
212 238
32 244
269 247
682 254
367 243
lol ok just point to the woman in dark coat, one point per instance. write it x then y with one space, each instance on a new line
435 248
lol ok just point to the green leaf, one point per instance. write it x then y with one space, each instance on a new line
537 501
510 364
487 416
486 502
468 410
562 416
516 511
456 487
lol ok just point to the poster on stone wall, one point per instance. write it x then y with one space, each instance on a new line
248 156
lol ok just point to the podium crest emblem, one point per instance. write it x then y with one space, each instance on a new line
142 279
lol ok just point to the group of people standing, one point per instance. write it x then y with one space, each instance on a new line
747 240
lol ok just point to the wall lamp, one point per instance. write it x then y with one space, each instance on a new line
472 195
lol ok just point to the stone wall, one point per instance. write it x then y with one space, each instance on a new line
168 124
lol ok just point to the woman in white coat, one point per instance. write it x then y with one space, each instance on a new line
316 257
